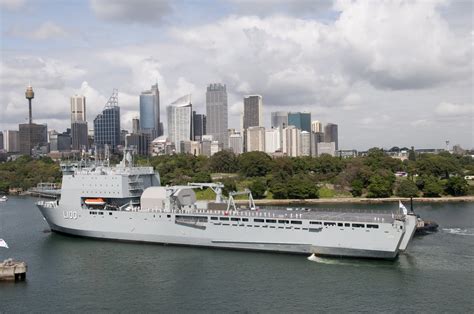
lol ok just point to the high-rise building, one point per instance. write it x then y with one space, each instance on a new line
136 125
59 142
330 134
11 138
305 143
236 143
1 141
78 108
216 113
316 126
150 111
107 124
272 140
79 136
301 120
139 142
327 148
180 121
253 111
279 119
199 126
32 136
316 137
256 139
291 141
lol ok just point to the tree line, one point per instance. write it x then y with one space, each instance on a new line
431 175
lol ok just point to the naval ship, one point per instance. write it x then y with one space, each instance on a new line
128 203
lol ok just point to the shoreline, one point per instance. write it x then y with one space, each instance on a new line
361 200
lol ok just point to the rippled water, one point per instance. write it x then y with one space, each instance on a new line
81 275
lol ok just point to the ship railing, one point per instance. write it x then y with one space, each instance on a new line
48 204
270 215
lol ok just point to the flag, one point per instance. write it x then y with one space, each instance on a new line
3 243
402 207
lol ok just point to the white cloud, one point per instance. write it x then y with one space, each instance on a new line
421 123
126 11
450 109
47 30
12 4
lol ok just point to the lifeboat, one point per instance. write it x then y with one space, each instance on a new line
94 201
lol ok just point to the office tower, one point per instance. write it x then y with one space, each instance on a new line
11 139
236 143
216 113
330 134
107 124
1 141
316 126
78 108
199 126
32 136
180 121
79 123
139 142
316 137
279 119
305 143
150 111
136 125
301 120
253 111
59 142
327 148
272 140
256 139
291 141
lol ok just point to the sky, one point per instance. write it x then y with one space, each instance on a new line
389 73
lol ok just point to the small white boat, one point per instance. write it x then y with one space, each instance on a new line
4 198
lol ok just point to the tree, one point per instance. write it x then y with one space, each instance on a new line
202 177
229 186
301 187
279 190
411 154
224 161
432 186
379 187
258 186
255 164
457 186
357 187
407 188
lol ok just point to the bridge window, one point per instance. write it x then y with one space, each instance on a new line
214 218
358 225
329 223
235 219
224 218
315 222
283 221
272 221
296 222
258 220
373 226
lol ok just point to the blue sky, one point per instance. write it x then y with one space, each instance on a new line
389 73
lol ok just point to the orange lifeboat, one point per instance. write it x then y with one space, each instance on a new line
94 201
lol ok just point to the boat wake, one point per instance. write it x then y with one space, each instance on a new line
460 231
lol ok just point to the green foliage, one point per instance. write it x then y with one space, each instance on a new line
357 187
457 186
300 187
407 188
380 186
279 190
442 165
230 185
255 164
412 155
325 192
224 161
432 186
258 186
26 172
202 177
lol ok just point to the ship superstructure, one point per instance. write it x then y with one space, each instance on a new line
127 203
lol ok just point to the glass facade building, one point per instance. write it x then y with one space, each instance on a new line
216 111
301 120
150 111
107 125
180 121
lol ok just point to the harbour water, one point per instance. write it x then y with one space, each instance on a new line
69 274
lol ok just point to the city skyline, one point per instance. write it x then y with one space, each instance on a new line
394 92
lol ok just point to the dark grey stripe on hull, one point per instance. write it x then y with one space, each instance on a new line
277 248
